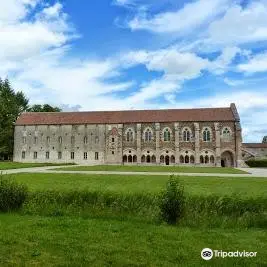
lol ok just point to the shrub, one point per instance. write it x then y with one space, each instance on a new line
12 194
172 201
260 163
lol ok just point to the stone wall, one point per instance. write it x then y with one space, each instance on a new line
99 143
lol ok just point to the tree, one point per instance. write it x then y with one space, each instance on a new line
12 104
44 108
264 140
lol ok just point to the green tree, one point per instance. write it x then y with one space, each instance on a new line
12 104
44 108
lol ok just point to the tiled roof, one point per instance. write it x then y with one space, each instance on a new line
128 116
254 145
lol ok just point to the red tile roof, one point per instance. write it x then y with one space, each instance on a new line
128 116
254 145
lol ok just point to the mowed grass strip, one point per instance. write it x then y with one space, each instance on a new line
69 241
19 165
127 168
243 186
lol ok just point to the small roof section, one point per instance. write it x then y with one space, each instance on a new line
127 116
255 145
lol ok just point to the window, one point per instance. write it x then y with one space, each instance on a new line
148 135
35 155
167 135
48 139
226 133
206 135
60 140
59 155
72 140
47 155
85 155
129 135
112 140
35 140
24 140
112 152
186 135
23 155
85 140
96 155
71 155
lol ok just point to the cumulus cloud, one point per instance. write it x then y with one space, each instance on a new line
257 63
191 16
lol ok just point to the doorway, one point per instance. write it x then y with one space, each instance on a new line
167 160
222 163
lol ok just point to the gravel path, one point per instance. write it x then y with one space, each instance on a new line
253 172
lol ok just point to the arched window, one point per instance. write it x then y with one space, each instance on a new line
206 135
186 159
134 158
167 135
211 159
143 158
130 158
124 158
129 135
201 159
192 159
186 135
148 135
181 159
226 134
153 158
85 140
148 159
206 159
161 159
172 159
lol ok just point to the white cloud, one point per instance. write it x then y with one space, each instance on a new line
221 64
240 25
257 63
192 15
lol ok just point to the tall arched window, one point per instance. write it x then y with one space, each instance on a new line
206 135
186 135
226 133
167 135
129 135
148 135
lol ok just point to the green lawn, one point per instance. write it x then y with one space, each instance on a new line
154 169
70 241
245 186
18 165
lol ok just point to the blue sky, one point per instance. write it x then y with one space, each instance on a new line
137 54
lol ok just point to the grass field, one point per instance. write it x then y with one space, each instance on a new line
113 220
18 165
246 187
127 168
68 241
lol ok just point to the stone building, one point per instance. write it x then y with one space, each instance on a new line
254 150
206 137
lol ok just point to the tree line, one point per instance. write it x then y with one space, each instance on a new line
12 104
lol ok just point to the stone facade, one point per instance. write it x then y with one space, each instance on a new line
204 143
254 150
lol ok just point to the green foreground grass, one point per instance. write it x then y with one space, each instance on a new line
127 168
143 184
69 241
19 165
